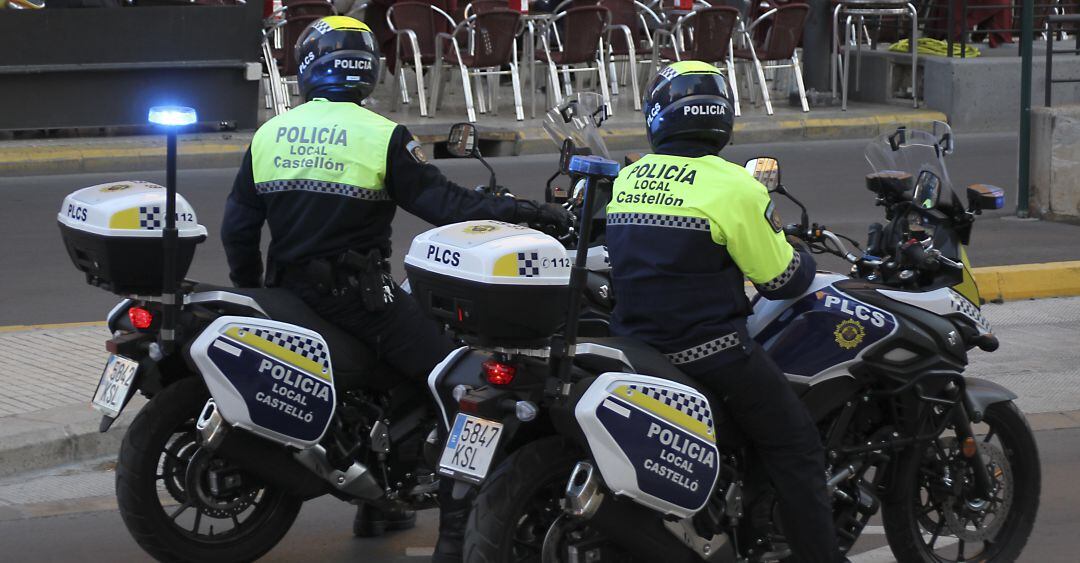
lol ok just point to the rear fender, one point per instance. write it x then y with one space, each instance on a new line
980 394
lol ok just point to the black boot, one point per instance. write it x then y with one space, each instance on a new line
371 522
453 516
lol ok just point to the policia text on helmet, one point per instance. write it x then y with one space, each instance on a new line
688 110
328 177
338 60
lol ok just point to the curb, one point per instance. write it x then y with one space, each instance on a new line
60 436
1028 281
222 150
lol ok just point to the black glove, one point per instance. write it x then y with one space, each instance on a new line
556 216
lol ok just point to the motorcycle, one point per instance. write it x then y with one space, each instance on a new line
256 404
599 449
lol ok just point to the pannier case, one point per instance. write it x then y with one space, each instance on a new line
496 282
113 234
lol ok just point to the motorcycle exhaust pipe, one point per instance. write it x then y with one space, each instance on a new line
269 462
632 526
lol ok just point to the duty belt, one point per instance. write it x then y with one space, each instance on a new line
351 271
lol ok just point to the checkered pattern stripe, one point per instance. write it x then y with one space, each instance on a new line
657 220
306 346
961 305
528 264
318 186
695 407
784 277
322 27
705 350
151 217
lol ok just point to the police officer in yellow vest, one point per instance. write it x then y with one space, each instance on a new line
327 177
684 227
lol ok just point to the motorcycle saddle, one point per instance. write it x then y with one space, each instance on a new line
355 365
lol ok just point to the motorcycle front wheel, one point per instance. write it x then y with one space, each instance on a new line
933 517
182 504
517 516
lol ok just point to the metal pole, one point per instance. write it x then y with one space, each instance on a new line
1049 62
1023 180
169 243
950 25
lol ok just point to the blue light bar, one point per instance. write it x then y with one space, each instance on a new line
172 116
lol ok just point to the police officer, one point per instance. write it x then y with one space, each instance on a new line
327 177
684 227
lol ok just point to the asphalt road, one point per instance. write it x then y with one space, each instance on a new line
72 526
38 284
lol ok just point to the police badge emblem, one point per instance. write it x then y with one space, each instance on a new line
849 334
773 218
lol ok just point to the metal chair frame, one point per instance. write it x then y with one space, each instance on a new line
678 44
418 66
631 58
567 70
466 73
856 12
795 66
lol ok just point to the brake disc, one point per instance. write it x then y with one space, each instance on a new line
961 515
177 456
213 505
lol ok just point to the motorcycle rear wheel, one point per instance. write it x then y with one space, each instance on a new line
925 523
518 506
151 474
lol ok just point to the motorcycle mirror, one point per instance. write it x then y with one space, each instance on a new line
766 170
461 142
568 151
985 196
927 190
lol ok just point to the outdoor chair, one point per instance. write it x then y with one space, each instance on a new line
582 43
629 41
780 44
417 26
282 28
702 35
495 46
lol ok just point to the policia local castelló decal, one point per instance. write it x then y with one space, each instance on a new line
283 378
667 437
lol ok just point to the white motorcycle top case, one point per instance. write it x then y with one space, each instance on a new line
271 378
489 279
653 440
113 234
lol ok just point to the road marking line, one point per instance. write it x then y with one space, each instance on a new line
884 554
419 551
20 328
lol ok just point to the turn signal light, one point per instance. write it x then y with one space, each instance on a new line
140 318
498 373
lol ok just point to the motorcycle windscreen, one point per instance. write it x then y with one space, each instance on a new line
652 439
271 378
968 287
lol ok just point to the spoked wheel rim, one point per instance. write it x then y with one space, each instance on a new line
185 476
956 526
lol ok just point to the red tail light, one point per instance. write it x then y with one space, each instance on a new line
140 318
498 373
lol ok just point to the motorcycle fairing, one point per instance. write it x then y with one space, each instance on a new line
652 439
271 378
945 301
822 331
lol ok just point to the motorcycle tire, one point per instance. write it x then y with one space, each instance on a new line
139 499
901 511
503 501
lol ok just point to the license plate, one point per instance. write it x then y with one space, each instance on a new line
115 385
470 448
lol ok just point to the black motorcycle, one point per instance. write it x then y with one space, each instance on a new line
598 449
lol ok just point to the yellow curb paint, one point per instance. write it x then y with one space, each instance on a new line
44 154
1028 281
23 327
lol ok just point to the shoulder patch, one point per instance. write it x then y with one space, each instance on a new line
773 217
416 151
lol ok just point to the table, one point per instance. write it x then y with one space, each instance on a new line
534 22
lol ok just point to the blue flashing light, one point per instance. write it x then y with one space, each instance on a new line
172 116
593 165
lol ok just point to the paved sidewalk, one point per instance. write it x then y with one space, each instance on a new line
51 373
